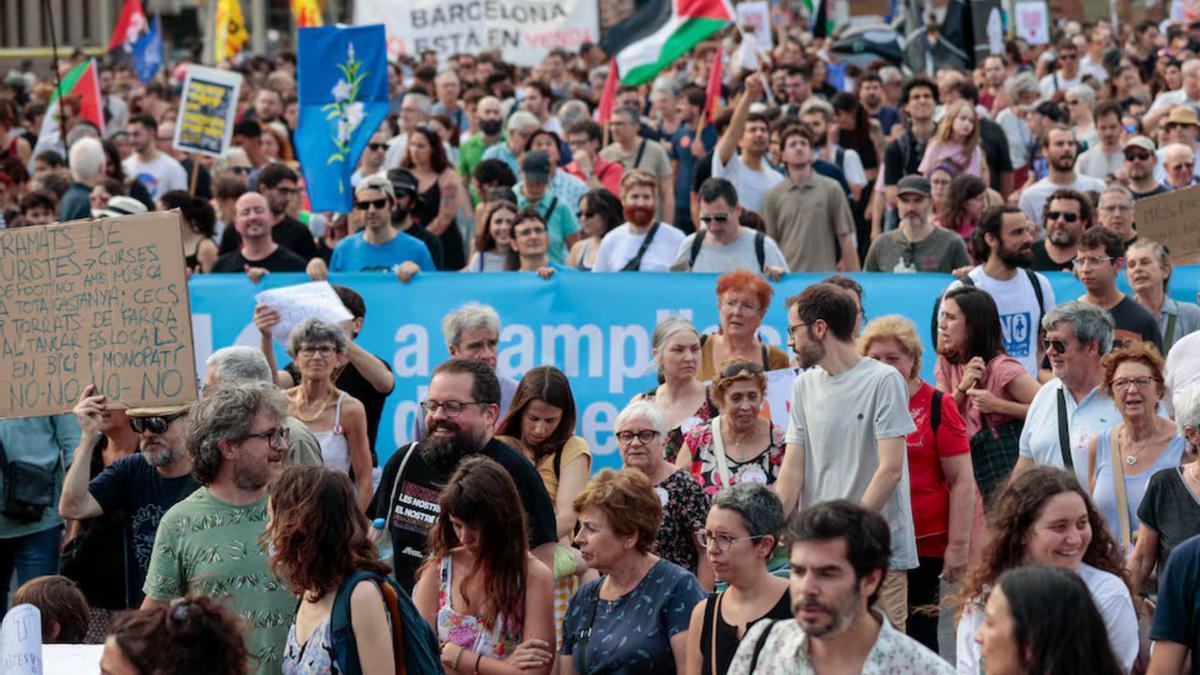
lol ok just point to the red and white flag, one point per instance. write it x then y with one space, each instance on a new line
130 26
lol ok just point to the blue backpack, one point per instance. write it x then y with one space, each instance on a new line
414 643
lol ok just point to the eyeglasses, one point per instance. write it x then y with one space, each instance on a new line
448 408
323 350
242 170
715 218
1064 215
376 147
745 366
1182 165
721 542
156 425
645 436
1115 207
1137 156
276 438
379 204
1091 260
1139 382
1058 346
744 306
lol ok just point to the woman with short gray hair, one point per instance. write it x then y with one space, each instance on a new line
739 537
1081 101
1148 270
336 419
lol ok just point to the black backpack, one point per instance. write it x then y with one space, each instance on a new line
760 248
968 281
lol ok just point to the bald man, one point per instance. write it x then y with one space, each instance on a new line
491 125
259 254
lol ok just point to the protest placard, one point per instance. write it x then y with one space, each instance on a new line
303 301
754 18
206 110
21 641
523 30
1033 22
101 302
1173 220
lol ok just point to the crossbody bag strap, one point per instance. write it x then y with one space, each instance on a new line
586 634
641 151
697 243
719 451
1118 476
635 263
1064 435
1169 336
716 620
396 483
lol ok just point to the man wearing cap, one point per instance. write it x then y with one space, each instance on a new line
1141 162
1059 148
138 487
916 245
404 185
120 205
259 254
1181 127
568 188
208 543
561 224
379 246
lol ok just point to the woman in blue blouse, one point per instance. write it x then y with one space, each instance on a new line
634 619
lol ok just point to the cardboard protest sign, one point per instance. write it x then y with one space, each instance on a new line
303 301
207 110
1173 220
101 302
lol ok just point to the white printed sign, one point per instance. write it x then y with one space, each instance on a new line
754 18
1033 22
21 641
523 30
303 301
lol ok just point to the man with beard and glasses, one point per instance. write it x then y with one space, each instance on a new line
839 553
1058 147
1067 215
138 488
847 428
916 245
208 544
1098 262
461 410
258 254
641 244
1004 238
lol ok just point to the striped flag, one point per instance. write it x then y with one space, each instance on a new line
661 31
83 83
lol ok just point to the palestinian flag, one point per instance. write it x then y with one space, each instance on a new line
82 82
818 18
661 31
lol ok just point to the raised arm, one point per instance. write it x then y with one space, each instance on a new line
733 133
76 502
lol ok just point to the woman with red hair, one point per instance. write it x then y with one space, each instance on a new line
742 301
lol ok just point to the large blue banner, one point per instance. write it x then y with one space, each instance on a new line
595 327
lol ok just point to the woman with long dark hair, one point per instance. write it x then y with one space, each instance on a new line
1043 620
600 212
493 238
441 193
992 390
854 130
198 221
965 204
1044 517
488 598
319 538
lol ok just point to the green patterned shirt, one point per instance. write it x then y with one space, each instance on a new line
207 547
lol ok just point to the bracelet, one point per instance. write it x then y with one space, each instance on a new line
478 658
457 658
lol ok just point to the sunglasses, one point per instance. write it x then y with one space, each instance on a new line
376 147
1058 346
745 366
1064 215
1137 156
157 424
242 170
585 214
379 204
717 218
1181 165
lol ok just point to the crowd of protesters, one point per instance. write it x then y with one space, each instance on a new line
1042 493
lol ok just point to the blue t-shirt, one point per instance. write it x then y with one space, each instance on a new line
355 254
1177 618
130 485
681 151
887 117
632 634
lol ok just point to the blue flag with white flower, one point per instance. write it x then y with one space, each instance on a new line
343 96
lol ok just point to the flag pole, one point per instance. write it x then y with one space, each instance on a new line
62 131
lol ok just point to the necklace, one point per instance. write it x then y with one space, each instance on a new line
302 402
1131 455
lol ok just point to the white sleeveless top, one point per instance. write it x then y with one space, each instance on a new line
334 449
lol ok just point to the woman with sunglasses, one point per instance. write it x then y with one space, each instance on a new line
743 298
939 474
739 537
600 212
1148 270
493 238
640 431
739 445
336 419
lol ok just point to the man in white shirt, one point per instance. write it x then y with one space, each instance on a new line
1107 158
159 172
1066 74
724 245
847 428
748 170
1058 147
641 244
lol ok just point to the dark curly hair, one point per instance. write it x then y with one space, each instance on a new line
191 636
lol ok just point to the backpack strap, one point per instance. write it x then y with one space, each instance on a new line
1064 436
697 243
412 447
760 249
550 211
935 413
1037 291
761 642
341 628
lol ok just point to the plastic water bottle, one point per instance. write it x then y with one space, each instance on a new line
383 542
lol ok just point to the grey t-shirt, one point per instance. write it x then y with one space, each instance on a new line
721 258
838 420
941 251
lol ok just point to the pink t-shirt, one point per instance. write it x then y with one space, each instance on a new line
998 374
937 151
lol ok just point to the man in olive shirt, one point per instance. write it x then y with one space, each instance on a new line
916 245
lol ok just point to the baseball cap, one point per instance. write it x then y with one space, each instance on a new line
535 166
914 184
376 182
403 181
1142 142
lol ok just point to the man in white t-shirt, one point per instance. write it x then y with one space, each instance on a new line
847 428
1066 74
159 172
1007 241
1058 147
724 244
641 244
748 170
